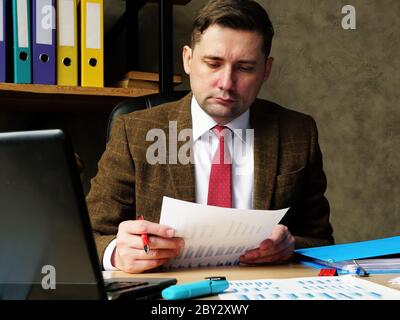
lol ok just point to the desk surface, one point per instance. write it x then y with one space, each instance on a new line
245 273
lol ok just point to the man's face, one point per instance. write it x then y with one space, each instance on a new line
226 68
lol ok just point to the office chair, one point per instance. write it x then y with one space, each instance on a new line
140 103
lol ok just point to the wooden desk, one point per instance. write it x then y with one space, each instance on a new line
244 273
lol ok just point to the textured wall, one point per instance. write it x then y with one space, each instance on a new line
348 80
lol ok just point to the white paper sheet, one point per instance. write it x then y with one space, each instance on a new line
216 236
311 288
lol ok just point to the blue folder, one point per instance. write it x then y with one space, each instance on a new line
3 40
22 41
44 41
330 256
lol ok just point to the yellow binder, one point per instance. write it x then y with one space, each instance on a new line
67 43
92 43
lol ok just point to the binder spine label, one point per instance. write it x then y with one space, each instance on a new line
22 19
45 22
2 21
67 23
93 26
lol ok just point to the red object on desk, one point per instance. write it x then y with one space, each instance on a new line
145 239
328 272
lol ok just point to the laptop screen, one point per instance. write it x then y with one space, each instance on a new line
47 248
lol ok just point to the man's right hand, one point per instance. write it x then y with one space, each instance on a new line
129 255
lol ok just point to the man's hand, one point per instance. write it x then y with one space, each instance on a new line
129 255
278 248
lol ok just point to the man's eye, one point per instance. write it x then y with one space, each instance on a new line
246 69
212 65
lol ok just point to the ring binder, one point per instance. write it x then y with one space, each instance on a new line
22 41
67 43
44 41
92 43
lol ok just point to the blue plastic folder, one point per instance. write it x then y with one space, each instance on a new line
341 255
3 41
43 41
22 41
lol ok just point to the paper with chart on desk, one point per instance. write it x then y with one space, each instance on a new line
215 236
309 288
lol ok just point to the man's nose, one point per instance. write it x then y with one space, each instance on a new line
226 79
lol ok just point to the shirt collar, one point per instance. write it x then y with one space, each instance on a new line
202 122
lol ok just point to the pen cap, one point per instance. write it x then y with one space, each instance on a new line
173 293
188 290
219 286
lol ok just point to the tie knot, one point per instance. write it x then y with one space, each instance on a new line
220 131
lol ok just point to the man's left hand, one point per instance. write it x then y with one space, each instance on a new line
276 249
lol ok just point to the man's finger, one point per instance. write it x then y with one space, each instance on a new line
251 254
277 240
270 252
274 246
279 233
279 257
136 242
143 226
267 244
267 247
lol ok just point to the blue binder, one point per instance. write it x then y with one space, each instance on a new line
331 256
22 41
44 41
3 40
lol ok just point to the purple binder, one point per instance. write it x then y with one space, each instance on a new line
2 40
44 41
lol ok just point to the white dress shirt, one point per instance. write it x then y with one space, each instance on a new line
205 144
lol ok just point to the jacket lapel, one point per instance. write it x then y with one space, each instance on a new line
182 175
266 150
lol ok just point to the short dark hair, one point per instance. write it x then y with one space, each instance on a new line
245 15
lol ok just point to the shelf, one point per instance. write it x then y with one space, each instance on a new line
52 98
129 22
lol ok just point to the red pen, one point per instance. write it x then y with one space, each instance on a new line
145 239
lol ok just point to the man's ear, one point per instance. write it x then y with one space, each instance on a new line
268 67
187 58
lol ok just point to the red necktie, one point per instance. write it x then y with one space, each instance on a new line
220 185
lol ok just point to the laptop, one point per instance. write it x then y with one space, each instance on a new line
47 249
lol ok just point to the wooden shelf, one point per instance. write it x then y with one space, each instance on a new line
52 98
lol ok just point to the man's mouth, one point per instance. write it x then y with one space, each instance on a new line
224 101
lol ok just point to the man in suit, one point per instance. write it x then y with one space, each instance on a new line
227 62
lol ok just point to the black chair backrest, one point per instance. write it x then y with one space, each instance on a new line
140 103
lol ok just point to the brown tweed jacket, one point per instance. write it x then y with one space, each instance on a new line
287 172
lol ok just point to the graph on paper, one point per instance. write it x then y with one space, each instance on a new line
310 288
